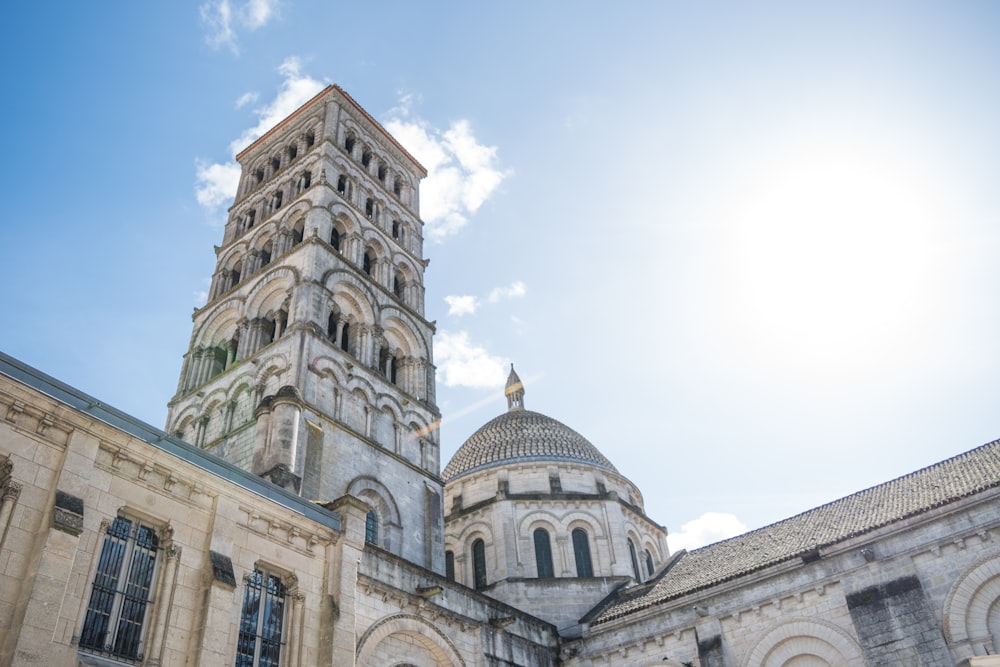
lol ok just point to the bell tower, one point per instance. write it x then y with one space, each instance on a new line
311 363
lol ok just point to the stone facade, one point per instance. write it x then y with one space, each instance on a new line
294 513
311 363
346 601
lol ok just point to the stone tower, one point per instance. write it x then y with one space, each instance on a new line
311 363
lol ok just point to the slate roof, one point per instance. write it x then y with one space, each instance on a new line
520 435
964 475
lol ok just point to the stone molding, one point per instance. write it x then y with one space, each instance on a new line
274 528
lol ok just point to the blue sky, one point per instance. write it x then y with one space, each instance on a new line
748 251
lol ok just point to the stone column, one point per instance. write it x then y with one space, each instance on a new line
347 554
9 492
165 600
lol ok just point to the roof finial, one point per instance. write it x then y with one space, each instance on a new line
514 391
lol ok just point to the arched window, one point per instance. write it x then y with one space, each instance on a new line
342 184
345 338
397 230
335 239
258 177
349 143
275 165
371 527
293 152
397 186
397 285
543 554
297 233
369 207
649 564
310 139
381 172
265 254
368 262
449 565
635 561
479 565
581 551
234 275
366 158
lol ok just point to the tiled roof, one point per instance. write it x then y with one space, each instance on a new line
920 491
522 435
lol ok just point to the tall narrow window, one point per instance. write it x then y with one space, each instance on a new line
371 527
449 565
581 551
543 554
367 262
259 643
349 143
121 592
649 564
635 561
335 239
345 340
342 184
479 564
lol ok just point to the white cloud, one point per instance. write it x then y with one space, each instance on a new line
708 528
245 99
296 90
221 20
461 173
515 290
217 182
462 305
460 363
216 186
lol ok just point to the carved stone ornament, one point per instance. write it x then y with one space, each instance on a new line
67 515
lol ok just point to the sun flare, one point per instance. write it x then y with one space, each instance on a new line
831 258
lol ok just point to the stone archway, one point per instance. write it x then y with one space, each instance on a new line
405 632
805 643
972 610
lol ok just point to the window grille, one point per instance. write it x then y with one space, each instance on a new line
543 554
581 550
479 564
121 592
371 527
259 643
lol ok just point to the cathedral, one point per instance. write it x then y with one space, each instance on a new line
295 511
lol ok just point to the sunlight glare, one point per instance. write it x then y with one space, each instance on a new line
832 259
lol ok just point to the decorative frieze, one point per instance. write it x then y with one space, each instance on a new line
273 527
153 475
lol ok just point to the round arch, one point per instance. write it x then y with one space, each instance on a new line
805 637
415 630
969 604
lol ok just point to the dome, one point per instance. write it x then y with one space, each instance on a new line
522 435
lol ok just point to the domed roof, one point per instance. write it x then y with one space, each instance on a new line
522 435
